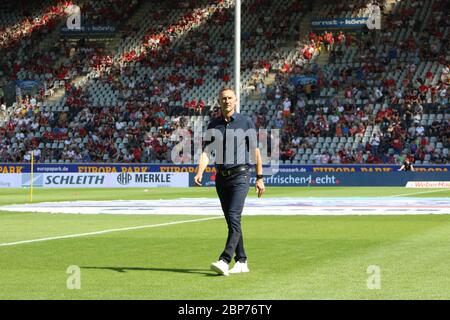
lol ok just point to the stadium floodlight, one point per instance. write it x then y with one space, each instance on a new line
237 54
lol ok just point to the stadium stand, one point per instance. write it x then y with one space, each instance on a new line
378 97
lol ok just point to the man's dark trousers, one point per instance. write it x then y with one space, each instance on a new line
232 191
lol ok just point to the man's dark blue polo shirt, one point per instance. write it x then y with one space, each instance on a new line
242 146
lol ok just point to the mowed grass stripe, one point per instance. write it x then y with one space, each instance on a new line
104 232
289 258
296 257
22 226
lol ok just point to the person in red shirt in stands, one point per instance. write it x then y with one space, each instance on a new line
329 40
397 145
370 158
348 93
340 38
137 153
199 81
319 39
420 154
429 76
380 115
156 91
359 157
410 157
335 84
343 156
390 82
348 40
339 131
193 104
423 89
285 68
389 112
434 91
423 141
353 130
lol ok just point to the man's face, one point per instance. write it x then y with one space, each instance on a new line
227 100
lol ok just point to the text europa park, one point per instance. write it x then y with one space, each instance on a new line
11 169
106 169
137 169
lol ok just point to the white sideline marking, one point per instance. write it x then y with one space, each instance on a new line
104 231
422 192
253 206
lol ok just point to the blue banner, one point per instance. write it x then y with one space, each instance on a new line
384 179
113 168
302 80
87 30
339 23
27 84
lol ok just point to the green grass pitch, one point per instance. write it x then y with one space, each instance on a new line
290 257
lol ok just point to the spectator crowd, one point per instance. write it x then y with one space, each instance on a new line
352 112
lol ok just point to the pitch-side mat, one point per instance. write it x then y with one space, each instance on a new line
253 206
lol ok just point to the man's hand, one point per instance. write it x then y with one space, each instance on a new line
198 179
259 187
203 163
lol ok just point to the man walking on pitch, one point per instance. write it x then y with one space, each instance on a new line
232 179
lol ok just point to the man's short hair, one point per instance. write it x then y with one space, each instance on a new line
225 89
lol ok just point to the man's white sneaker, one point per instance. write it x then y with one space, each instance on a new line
221 267
239 267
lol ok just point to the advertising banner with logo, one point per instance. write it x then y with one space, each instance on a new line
185 179
302 80
10 180
428 184
305 179
339 23
91 168
106 30
111 180
150 180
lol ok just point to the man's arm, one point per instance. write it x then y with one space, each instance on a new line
202 164
259 167
259 187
